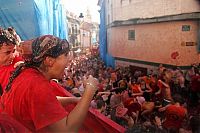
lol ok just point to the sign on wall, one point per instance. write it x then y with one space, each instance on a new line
188 44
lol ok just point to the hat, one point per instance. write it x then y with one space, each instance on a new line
121 111
140 100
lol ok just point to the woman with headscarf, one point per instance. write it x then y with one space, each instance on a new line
29 97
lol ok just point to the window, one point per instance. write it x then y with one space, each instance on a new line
69 30
185 27
131 35
76 30
72 29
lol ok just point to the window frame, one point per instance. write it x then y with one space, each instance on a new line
131 35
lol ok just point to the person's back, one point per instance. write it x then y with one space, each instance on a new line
165 91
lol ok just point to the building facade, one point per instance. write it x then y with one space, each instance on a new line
73 24
89 31
83 33
148 33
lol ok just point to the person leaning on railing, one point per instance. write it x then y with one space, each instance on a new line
29 97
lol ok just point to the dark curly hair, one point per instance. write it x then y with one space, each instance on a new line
7 37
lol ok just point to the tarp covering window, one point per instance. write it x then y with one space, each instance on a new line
105 56
32 18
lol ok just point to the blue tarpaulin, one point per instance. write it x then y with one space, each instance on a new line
105 56
32 18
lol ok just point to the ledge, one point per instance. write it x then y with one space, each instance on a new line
169 18
155 64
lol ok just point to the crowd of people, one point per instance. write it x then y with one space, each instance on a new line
32 73
165 98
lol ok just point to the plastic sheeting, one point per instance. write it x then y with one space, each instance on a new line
51 17
108 59
32 18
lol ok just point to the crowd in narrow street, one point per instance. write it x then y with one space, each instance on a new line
165 98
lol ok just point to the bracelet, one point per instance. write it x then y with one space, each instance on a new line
90 85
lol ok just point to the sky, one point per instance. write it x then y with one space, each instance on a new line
80 6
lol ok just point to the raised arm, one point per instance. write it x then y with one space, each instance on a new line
74 120
67 100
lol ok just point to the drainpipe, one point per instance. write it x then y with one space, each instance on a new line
198 41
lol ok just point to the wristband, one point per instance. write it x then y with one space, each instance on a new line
90 85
